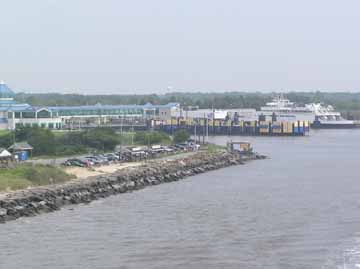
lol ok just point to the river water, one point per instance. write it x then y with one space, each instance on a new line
298 209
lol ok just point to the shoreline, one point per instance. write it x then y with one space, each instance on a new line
83 173
34 201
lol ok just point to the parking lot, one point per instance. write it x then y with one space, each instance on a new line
121 155
130 154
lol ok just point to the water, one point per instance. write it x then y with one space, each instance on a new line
299 209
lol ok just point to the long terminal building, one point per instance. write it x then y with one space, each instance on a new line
13 114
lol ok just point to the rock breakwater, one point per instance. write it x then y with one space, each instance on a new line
39 200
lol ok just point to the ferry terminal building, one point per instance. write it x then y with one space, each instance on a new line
13 114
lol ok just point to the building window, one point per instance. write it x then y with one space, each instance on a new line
44 114
28 115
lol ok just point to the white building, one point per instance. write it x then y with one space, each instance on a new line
13 114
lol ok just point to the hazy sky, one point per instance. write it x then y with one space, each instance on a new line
116 46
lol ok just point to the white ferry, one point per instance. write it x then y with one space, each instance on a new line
281 104
319 115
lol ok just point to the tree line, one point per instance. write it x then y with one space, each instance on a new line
344 101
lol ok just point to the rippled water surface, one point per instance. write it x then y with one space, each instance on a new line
299 209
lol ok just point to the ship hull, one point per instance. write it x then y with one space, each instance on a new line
321 125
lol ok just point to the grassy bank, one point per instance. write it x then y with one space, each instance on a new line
213 148
28 175
31 175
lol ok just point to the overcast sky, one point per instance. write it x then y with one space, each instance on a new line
116 46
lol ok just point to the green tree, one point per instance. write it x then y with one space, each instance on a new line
43 140
101 138
181 136
6 139
150 138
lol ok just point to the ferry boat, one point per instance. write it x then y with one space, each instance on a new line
281 105
318 114
327 118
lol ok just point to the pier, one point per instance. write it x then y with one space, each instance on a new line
204 127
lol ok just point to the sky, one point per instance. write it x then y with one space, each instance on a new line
117 46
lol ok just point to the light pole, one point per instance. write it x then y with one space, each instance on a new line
121 132
195 121
207 129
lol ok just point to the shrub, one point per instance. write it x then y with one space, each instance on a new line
6 139
181 136
71 138
43 140
101 138
150 138
67 150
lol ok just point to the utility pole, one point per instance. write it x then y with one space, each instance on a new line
207 130
132 132
195 131
121 132
204 131
14 136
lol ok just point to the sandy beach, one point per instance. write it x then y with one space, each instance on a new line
83 172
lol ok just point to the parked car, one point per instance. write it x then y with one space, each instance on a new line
181 146
124 155
112 157
94 160
87 162
102 159
75 162
169 149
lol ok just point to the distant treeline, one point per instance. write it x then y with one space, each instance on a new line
342 101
